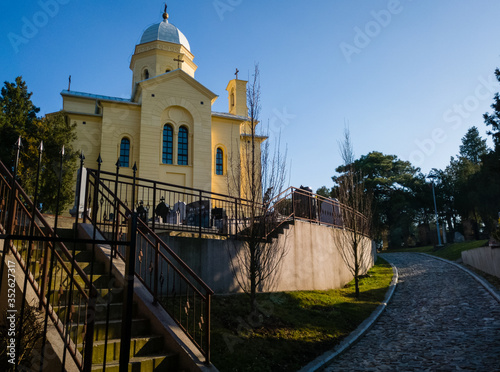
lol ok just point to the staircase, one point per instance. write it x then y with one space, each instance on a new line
147 350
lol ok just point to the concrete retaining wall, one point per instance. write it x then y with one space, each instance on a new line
485 259
312 259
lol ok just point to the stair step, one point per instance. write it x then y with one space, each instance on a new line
164 362
140 328
115 311
99 267
99 281
139 347
116 295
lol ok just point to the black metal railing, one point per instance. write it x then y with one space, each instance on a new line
64 295
301 204
168 207
110 200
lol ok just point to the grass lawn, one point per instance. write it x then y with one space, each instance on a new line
290 329
451 251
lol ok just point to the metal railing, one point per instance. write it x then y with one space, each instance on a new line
110 200
168 207
64 293
300 204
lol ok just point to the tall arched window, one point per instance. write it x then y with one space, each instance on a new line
125 153
219 162
182 153
168 141
145 74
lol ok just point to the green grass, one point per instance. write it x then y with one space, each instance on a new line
451 251
290 329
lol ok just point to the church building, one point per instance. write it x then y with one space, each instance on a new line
167 128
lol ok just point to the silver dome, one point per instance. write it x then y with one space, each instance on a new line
164 31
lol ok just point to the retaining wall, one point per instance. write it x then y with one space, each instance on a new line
484 258
311 261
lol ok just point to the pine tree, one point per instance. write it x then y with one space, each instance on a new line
18 118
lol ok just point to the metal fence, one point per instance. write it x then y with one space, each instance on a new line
167 207
64 294
183 294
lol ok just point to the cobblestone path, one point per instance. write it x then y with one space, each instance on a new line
439 319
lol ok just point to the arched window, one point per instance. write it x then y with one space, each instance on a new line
219 162
125 153
146 74
182 153
168 141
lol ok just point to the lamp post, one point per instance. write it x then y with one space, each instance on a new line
432 176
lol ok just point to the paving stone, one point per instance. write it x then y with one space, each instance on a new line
439 319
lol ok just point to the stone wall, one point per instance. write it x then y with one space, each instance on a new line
312 260
485 259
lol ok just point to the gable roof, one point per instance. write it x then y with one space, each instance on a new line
175 74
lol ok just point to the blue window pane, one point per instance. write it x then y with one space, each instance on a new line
168 141
219 162
182 154
125 152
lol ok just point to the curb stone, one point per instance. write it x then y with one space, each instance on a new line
355 335
479 279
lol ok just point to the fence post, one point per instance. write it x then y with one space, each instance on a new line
129 285
236 217
155 286
208 326
199 214
154 206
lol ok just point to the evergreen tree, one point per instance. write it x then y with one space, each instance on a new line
18 118
473 147
493 119
394 184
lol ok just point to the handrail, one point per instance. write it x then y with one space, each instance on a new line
314 210
160 255
45 224
138 179
170 251
45 284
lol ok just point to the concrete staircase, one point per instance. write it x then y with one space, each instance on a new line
147 350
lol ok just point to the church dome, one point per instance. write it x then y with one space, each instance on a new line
164 31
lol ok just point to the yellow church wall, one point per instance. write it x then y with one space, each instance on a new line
119 121
88 134
80 105
178 103
225 134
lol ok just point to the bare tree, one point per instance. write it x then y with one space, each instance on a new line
353 241
259 176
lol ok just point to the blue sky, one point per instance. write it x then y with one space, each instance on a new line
409 77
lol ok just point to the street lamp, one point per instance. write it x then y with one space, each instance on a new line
432 176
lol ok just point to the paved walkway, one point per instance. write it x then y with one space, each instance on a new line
439 319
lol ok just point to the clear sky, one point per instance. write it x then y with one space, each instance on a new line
409 77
